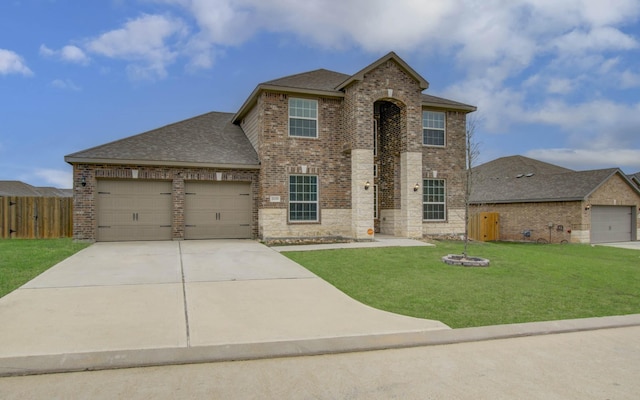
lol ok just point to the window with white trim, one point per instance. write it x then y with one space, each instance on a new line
303 118
434 200
433 128
303 198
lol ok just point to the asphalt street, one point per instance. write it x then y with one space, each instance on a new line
597 364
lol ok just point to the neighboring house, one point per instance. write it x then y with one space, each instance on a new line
635 178
537 200
314 156
21 189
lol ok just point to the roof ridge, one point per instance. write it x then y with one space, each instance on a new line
302 73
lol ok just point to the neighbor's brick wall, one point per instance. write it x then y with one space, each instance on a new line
535 217
85 216
615 192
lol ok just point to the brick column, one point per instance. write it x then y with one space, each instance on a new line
177 197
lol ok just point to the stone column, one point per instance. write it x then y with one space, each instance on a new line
410 200
361 199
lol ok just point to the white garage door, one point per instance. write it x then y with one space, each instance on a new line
611 224
134 210
217 210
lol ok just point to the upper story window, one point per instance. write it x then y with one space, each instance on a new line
303 118
433 128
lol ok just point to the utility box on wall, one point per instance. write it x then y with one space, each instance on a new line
484 226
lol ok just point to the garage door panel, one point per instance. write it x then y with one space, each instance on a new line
134 210
611 224
216 210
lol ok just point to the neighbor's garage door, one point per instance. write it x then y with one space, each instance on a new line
217 210
611 224
134 210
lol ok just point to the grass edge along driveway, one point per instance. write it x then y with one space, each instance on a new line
23 259
525 282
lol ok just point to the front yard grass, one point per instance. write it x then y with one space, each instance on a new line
23 259
525 282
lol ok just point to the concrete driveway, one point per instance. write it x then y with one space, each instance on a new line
623 245
148 303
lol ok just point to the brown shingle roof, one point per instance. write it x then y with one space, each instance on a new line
520 179
320 79
635 178
428 100
206 140
325 82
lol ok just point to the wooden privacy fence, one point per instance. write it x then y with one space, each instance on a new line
484 226
36 217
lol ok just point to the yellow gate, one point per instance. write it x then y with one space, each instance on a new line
484 226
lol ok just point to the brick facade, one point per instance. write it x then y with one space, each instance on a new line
341 157
85 214
559 221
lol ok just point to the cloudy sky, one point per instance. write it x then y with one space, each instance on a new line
554 80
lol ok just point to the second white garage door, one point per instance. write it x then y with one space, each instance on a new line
611 224
217 210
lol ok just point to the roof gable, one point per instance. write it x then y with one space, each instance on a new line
358 76
206 140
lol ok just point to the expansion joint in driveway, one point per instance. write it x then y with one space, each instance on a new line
184 297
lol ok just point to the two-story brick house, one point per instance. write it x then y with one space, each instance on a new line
318 155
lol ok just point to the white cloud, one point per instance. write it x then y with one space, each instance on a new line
580 159
561 85
604 38
12 63
629 79
65 84
69 53
142 41
55 177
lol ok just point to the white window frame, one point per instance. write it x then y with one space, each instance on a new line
316 201
426 125
303 117
426 201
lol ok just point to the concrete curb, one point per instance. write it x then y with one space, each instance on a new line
101 360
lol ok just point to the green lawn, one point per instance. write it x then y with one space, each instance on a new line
23 259
525 282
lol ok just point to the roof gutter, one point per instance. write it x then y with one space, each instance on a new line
461 107
161 163
549 200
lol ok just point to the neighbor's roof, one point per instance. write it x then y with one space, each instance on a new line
21 189
519 179
635 178
208 140
330 83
